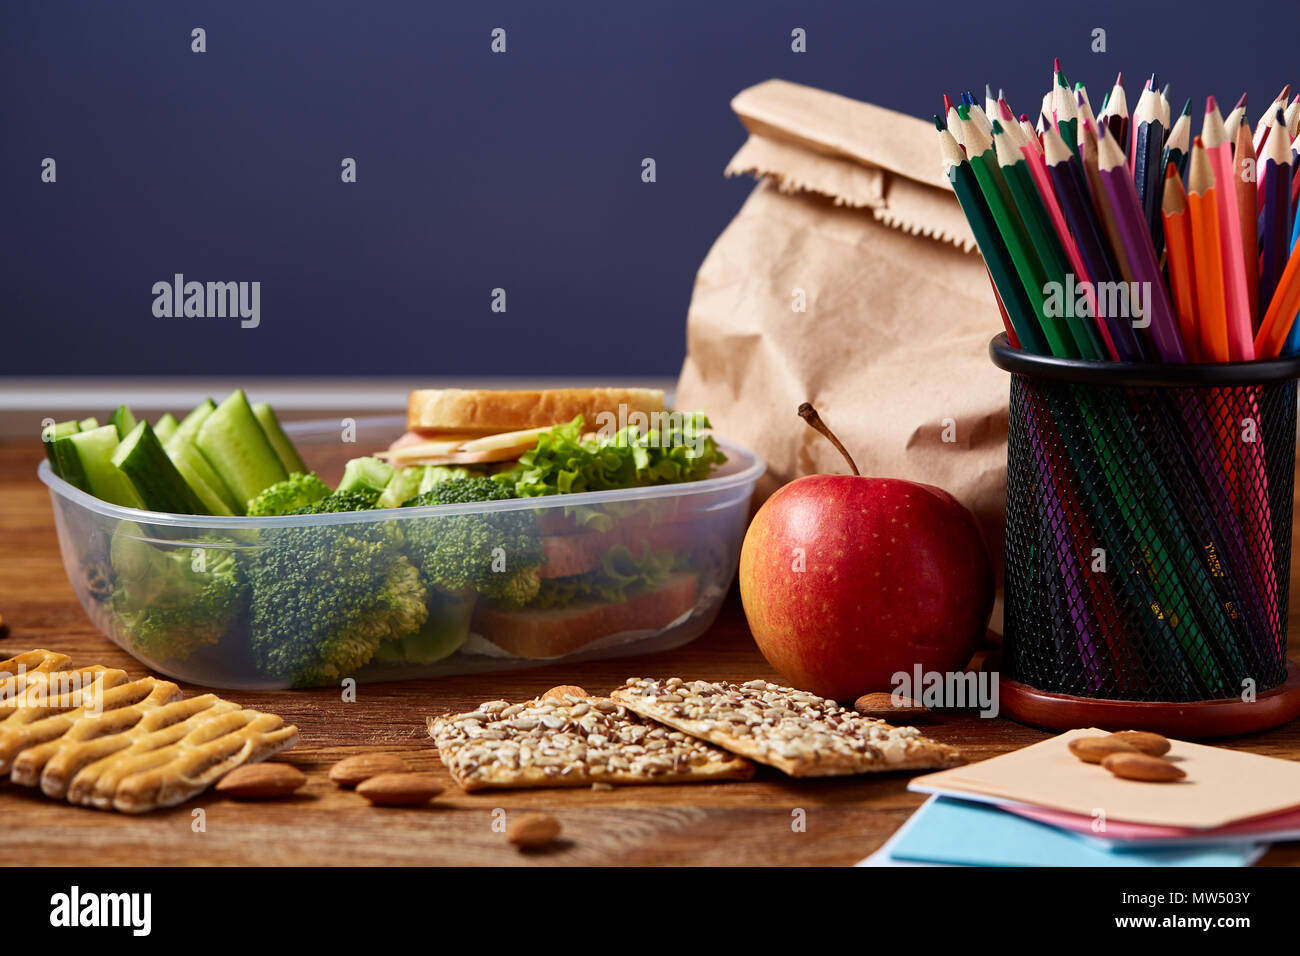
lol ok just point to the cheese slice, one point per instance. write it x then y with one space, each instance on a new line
518 442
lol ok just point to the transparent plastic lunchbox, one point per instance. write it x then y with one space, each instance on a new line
342 595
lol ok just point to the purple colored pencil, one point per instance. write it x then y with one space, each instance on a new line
1072 193
1141 254
1275 233
1075 590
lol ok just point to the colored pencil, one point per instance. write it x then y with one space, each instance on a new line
1115 114
1282 308
1161 324
1011 295
1178 143
1262 128
1067 112
982 157
1236 298
1275 218
1101 205
1236 119
1178 243
1243 183
1148 174
1207 256
1044 239
1072 193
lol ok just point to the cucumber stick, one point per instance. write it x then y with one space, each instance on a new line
141 458
196 471
234 444
123 421
90 453
190 423
86 424
279 440
165 427
52 433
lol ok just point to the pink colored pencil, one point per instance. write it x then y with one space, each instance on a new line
1241 345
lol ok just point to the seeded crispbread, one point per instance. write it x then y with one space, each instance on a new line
98 739
793 730
572 742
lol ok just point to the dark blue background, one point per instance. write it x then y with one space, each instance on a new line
475 170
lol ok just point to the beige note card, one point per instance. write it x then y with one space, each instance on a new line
1222 786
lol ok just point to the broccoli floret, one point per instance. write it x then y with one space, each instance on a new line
496 555
360 499
170 600
324 598
296 491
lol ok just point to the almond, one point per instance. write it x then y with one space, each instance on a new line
1096 749
533 830
1140 766
351 771
261 781
399 789
1152 744
881 706
565 690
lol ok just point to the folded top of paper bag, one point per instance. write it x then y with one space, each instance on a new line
857 154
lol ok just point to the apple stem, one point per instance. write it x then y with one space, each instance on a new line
809 414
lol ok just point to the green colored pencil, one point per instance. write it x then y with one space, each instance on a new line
984 164
994 250
1044 240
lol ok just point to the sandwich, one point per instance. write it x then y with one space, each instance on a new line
565 578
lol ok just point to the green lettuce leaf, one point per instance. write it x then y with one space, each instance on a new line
621 573
563 463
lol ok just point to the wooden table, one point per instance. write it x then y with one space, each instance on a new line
723 824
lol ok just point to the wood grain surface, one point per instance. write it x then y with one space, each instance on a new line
719 824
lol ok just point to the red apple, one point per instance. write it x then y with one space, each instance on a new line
847 580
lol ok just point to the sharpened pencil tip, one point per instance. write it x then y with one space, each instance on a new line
1119 78
939 124
988 91
1211 104
1187 108
1153 83
947 104
1024 117
1241 103
1056 64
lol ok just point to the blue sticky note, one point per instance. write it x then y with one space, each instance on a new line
959 832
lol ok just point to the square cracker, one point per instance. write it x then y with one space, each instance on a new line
572 742
793 730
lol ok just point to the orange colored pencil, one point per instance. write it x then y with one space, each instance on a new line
1282 310
1178 247
1207 257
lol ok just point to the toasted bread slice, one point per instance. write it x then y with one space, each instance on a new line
553 632
433 411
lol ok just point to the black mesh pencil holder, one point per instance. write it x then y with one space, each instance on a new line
1148 543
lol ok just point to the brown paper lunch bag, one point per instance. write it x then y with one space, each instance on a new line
853 221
